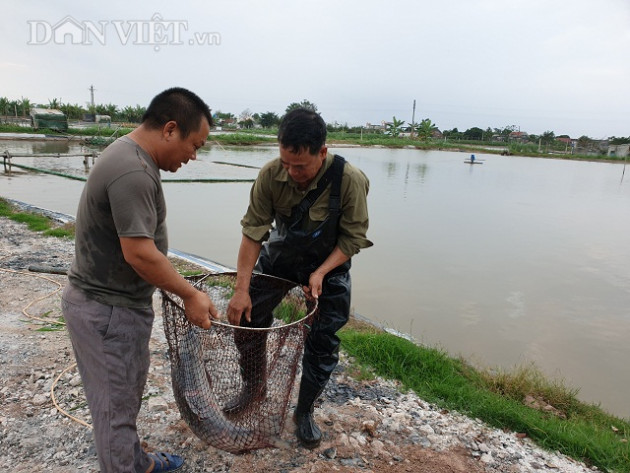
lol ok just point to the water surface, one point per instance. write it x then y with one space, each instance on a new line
513 261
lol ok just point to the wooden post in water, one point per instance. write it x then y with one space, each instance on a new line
7 158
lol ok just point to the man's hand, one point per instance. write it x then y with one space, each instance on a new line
240 304
199 308
314 288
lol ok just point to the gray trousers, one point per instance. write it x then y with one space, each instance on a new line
111 347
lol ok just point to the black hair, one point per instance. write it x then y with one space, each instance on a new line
302 129
179 105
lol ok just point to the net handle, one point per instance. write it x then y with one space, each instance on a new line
296 322
197 284
260 329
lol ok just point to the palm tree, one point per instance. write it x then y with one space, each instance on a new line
109 109
424 129
25 105
13 107
74 112
4 106
548 137
394 128
132 114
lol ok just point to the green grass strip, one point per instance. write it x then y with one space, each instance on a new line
241 139
35 222
452 384
45 171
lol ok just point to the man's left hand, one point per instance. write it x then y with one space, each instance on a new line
314 288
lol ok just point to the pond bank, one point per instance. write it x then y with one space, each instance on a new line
238 138
368 425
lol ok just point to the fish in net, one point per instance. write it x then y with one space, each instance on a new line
232 385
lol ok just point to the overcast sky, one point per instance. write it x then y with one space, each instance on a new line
560 65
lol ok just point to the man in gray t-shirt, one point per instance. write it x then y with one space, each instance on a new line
124 199
121 247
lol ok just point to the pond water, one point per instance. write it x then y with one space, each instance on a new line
511 261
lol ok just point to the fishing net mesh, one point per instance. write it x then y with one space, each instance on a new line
232 384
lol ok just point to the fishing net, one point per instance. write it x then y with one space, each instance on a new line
232 384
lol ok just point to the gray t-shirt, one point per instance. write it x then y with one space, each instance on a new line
122 198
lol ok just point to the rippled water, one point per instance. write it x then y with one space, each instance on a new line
512 261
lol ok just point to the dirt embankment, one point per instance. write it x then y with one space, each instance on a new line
368 426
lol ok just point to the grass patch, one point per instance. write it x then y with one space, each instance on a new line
528 381
583 432
192 272
289 312
6 209
240 139
56 325
65 231
88 131
35 222
11 128
53 327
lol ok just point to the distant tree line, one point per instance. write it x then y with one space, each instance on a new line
424 130
22 107
247 119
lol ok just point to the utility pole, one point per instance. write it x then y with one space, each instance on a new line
413 114
413 117
92 96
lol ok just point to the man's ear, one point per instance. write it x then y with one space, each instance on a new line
323 152
168 129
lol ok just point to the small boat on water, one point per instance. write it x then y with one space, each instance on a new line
472 160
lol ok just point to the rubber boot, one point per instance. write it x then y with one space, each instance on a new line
254 371
307 431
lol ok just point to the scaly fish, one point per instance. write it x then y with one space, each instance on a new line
193 393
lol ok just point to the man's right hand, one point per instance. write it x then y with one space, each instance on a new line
240 304
199 308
